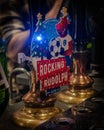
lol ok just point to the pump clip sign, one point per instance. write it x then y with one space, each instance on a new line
53 73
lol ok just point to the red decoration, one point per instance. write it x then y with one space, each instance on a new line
62 24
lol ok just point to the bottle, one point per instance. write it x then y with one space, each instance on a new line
4 93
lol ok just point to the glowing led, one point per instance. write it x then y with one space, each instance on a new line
39 38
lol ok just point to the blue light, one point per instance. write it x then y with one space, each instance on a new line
39 38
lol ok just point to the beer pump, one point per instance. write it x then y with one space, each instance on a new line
80 86
48 71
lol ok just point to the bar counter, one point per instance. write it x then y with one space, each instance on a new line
6 122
